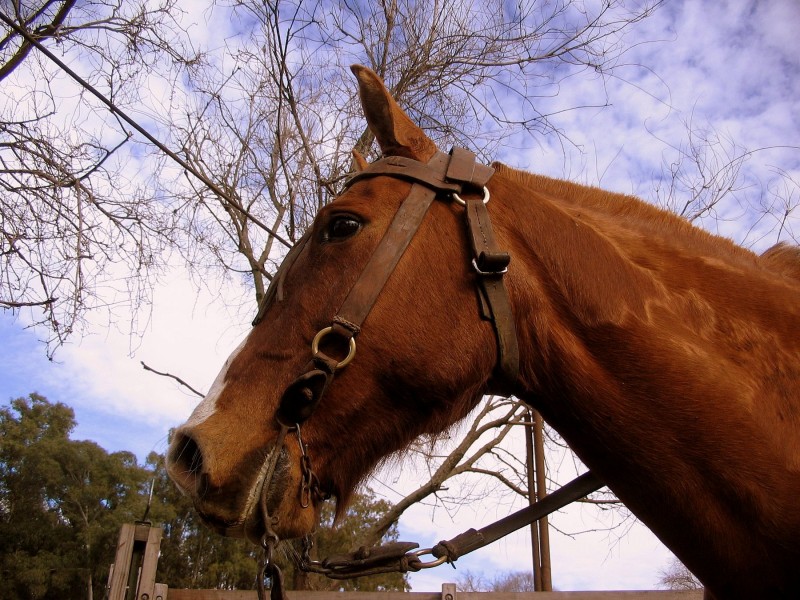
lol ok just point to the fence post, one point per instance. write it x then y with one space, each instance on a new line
133 574
448 591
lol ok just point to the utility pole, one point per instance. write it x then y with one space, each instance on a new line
537 489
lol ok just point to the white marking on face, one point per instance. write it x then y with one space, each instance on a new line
208 405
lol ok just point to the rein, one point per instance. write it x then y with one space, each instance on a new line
447 176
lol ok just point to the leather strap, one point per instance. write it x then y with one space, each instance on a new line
275 289
400 557
466 170
442 173
472 539
431 174
490 265
359 302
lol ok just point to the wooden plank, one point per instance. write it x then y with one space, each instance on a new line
147 579
118 580
175 594
211 595
585 595
142 532
606 595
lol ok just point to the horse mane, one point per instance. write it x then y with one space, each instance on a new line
630 213
783 258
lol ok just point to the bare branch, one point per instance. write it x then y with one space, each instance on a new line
175 377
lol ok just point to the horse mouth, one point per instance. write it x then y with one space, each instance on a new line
261 494
262 501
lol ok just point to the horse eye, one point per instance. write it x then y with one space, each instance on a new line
342 227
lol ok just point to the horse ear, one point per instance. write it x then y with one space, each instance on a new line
397 135
359 162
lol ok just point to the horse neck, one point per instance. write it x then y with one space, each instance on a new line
610 293
588 264
627 352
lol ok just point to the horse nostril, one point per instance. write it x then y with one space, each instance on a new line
186 459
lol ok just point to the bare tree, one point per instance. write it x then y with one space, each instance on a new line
704 177
275 120
513 582
77 232
677 577
477 450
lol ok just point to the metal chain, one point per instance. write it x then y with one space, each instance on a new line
354 565
270 539
268 568
309 483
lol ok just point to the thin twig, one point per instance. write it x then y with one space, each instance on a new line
175 377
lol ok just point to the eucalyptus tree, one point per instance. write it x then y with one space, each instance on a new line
62 502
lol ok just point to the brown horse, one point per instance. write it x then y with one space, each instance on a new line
668 358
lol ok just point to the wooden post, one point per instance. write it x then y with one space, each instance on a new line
133 574
530 468
537 489
541 492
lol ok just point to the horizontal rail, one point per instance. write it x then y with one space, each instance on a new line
305 595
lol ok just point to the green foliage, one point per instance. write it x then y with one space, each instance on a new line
192 556
62 503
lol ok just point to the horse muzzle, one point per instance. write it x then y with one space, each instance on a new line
236 500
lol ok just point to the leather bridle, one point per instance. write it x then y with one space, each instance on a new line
447 176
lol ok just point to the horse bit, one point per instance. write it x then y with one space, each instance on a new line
447 175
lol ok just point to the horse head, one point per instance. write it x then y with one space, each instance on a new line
666 357
424 357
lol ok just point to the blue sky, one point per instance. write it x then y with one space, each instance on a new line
730 68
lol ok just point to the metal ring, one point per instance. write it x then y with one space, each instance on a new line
434 563
461 201
485 273
318 338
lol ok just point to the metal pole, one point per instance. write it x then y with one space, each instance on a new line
541 492
530 469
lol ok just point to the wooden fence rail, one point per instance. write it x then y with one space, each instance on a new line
132 577
626 595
